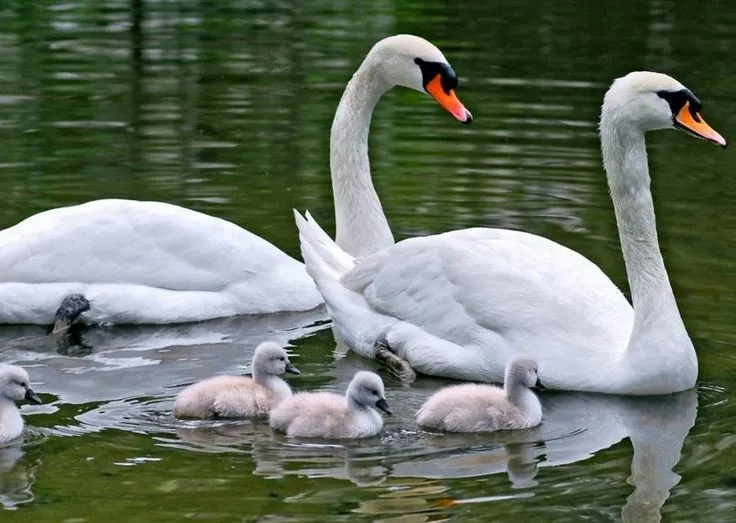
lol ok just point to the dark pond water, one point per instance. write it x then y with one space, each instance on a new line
225 107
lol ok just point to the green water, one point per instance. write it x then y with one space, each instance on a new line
225 107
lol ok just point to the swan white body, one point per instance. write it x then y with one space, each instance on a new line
327 415
485 408
240 396
463 303
144 262
14 386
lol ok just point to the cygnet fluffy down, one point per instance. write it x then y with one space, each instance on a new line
240 396
482 408
327 415
14 386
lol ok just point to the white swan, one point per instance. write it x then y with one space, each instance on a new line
14 386
327 415
463 303
240 396
472 407
123 261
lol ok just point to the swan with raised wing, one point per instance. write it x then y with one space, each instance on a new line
124 261
462 304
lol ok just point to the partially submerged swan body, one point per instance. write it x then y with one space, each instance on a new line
126 261
123 261
473 407
240 396
15 385
462 304
327 415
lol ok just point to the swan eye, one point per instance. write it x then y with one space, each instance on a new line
282 358
430 70
677 100
23 384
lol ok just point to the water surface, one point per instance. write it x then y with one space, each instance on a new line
225 108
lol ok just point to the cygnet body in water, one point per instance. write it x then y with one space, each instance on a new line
240 396
482 408
327 415
14 386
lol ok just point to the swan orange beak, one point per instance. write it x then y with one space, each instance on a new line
694 124
448 100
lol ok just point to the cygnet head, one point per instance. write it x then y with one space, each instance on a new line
366 389
15 384
650 101
270 359
521 372
413 62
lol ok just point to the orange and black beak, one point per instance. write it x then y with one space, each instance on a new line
691 122
448 100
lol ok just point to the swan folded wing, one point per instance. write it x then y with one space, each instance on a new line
471 286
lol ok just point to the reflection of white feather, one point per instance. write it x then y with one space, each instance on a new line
16 479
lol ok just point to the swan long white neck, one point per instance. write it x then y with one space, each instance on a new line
361 226
657 321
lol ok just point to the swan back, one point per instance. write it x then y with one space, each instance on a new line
327 415
14 386
240 396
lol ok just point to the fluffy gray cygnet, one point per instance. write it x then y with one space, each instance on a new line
14 386
240 396
327 415
482 408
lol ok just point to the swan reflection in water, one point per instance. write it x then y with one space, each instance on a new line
17 476
575 427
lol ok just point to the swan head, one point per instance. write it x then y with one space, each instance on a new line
270 359
15 384
521 371
413 62
366 389
651 101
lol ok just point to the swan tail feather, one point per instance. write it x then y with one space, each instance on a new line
324 259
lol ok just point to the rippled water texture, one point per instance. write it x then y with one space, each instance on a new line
225 107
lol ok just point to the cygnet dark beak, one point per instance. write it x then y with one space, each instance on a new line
33 397
291 369
383 405
538 385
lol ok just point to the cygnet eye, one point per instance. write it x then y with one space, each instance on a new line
282 358
23 384
374 392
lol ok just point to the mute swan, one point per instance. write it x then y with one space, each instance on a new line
463 303
483 408
327 415
239 396
14 386
126 261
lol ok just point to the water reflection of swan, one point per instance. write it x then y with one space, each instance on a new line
16 477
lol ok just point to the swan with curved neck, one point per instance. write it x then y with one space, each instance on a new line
126 261
462 304
400 60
